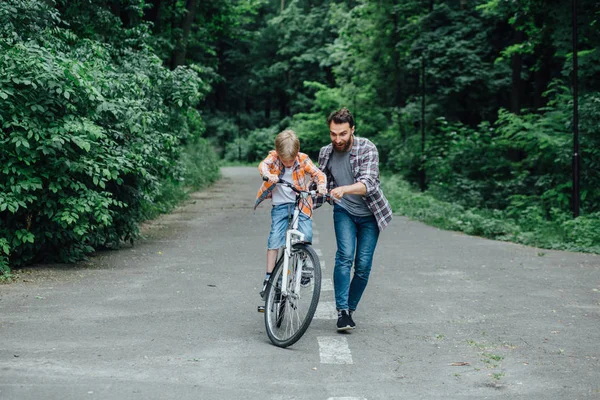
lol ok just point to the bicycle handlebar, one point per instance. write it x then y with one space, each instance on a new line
291 186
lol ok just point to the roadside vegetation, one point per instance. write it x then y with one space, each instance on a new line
528 227
111 111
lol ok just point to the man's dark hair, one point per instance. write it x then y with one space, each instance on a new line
341 116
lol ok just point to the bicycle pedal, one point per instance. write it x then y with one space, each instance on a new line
261 309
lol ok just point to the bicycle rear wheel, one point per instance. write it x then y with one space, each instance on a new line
287 317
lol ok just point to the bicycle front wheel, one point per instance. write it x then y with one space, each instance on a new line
288 316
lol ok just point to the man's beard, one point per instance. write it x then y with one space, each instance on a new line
345 147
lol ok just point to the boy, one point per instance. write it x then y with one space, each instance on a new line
286 162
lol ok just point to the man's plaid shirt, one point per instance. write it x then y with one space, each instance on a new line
364 159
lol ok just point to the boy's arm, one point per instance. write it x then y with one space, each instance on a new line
266 165
317 175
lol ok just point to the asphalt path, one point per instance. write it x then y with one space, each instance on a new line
445 315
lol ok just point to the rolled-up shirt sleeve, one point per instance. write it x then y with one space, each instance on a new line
368 172
317 176
267 165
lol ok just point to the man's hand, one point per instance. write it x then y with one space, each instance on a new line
322 189
337 193
358 188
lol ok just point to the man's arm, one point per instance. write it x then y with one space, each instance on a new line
356 188
368 172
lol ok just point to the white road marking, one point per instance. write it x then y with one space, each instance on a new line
326 284
334 350
346 398
319 252
326 310
315 240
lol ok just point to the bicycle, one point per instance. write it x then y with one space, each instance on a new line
290 303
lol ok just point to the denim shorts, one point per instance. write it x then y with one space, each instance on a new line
279 224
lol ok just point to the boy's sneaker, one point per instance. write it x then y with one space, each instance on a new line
307 274
305 281
264 289
344 322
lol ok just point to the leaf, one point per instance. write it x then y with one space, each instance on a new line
459 364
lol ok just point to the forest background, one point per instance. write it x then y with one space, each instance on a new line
113 110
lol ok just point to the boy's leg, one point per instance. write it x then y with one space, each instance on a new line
271 259
279 215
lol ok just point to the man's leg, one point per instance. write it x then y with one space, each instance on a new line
367 235
345 235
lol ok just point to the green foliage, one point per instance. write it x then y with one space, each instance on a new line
528 226
98 134
89 145
254 147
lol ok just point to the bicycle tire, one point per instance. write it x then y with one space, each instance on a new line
288 317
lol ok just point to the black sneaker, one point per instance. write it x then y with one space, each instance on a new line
344 322
305 281
352 324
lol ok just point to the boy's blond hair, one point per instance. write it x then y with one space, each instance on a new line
287 144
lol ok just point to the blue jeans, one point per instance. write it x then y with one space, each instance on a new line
279 224
356 241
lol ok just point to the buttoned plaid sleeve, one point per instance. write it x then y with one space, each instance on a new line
368 166
318 201
267 165
317 176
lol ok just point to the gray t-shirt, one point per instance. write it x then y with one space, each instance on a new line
341 170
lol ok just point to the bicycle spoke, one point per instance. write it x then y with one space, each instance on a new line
288 316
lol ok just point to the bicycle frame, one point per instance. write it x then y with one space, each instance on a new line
292 236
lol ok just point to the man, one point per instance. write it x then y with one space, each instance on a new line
360 210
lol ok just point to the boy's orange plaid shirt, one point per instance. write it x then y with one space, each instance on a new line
304 172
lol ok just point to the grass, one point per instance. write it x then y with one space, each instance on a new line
224 163
579 234
490 360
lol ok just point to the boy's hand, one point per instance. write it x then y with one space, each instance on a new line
272 178
321 189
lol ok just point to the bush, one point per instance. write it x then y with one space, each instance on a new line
90 141
253 148
527 225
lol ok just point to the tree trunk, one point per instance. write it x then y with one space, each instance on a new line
186 25
283 106
115 7
516 64
398 73
542 75
153 15
268 107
